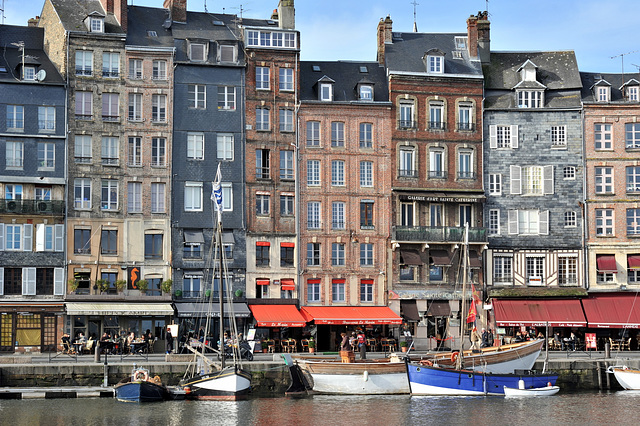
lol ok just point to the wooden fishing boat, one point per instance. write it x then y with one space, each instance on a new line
139 387
530 392
628 378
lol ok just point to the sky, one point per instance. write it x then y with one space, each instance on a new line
602 33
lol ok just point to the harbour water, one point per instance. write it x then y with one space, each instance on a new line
584 408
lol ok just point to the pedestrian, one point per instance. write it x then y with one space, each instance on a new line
362 344
475 339
485 338
169 341
344 345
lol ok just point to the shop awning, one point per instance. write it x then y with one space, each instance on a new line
410 257
191 310
287 284
133 309
612 310
606 263
439 309
633 261
193 237
409 310
474 260
556 312
350 315
277 316
440 257
262 282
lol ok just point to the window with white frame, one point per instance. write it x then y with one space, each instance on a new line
111 64
263 119
558 136
531 180
263 78
326 92
18 237
43 193
366 290
12 192
632 135
633 222
135 107
47 118
436 115
29 73
313 215
110 153
406 114
366 174
159 108
287 204
313 172
365 92
567 270
158 197
570 219
313 254
313 133
266 38
337 134
263 167
159 70
110 107
407 214
603 136
109 194
286 79
197 52
407 162
15 117
435 215
495 184
503 136
193 196
46 156
225 146
465 116
227 197
227 53
366 254
366 135
338 290
158 152
604 180
632 93
435 64
82 149
569 172
529 98
337 173
286 120
135 151
135 69
604 222
195 146
14 152
528 222
84 105
465 165
263 202
502 269
84 62
534 270
134 197
197 96
337 254
602 93
313 290
82 194
436 163
286 165
96 25
633 179
49 237
494 221
337 215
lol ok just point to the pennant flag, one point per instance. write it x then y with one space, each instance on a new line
471 316
475 294
216 193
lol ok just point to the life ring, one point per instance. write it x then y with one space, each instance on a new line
454 356
141 376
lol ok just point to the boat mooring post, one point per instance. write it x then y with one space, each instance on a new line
105 368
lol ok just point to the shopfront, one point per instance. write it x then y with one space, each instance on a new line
192 319
30 327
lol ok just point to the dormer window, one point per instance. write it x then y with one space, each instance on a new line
632 93
630 90
326 92
365 92
197 52
461 43
602 94
227 53
529 91
96 25
29 73
434 61
529 98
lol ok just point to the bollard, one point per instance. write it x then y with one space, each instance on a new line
106 372
97 353
607 350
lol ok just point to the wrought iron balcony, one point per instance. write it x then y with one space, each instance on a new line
437 174
466 126
409 173
437 234
466 175
406 124
437 125
50 207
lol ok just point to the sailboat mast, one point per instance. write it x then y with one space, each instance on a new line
463 319
221 294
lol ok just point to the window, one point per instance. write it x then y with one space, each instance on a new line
47 118
12 192
29 73
82 148
111 65
436 64
366 174
262 78
191 285
192 250
366 254
633 221
534 270
286 120
407 162
465 165
135 107
192 196
632 135
110 107
197 52
15 117
602 94
226 53
109 194
159 70
286 255
14 155
603 136
227 196
605 277
494 222
195 146
135 69
313 290
262 164
313 254
337 215
262 253
49 237
408 272
436 115
108 242
436 273
337 290
632 93
262 204
465 214
337 173
313 172
262 119
82 193
407 214
286 205
406 115
604 222
567 270
286 79
366 135
110 151
13 236
570 220
495 184
84 105
436 164
159 108
84 62
366 290
435 214
153 246
465 117
313 133
46 155
558 136
529 99
366 214
633 179
337 134
135 151
96 25
43 193
225 146
528 222
569 172
134 197
226 98
313 215
326 92
197 96
271 38
158 152
365 92
503 136
502 269
604 180
82 241
157 197
532 180
286 165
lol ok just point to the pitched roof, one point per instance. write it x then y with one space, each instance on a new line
141 20
72 14
616 81
346 75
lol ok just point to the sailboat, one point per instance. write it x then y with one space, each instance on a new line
431 379
203 380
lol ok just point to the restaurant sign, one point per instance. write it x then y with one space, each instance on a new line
438 199
426 294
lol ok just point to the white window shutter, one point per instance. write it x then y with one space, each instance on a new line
58 281
59 237
1 236
493 136
547 173
544 222
40 237
513 222
516 179
1 281
27 239
514 136
25 285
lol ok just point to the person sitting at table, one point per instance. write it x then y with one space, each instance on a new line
66 343
519 337
79 343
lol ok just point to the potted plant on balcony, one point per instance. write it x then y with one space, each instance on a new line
103 285
312 346
121 285
178 293
143 286
166 285
403 346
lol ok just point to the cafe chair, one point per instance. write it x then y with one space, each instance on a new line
305 345
88 347
615 344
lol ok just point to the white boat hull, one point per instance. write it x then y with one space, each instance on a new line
228 384
627 377
546 391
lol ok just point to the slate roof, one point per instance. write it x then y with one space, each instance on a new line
346 75
143 19
73 12
615 80
557 71
406 51
11 56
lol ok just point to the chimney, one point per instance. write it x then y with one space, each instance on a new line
274 15
384 36
120 11
286 15
478 37
107 5
33 22
177 10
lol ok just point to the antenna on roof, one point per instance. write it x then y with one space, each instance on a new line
621 56
2 12
415 25
637 66
205 7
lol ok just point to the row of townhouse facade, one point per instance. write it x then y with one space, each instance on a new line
346 185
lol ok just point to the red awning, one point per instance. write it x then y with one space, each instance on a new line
612 310
633 261
262 282
277 316
287 284
558 313
350 315
606 263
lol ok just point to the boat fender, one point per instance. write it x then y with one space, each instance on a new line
187 390
141 375
365 375
454 356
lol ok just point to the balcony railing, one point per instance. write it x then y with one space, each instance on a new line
437 125
470 127
84 71
55 207
439 234
466 175
406 124
110 73
409 173
438 174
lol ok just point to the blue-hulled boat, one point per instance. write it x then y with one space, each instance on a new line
140 388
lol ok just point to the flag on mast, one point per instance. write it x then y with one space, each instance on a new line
216 193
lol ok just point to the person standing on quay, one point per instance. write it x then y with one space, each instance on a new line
362 344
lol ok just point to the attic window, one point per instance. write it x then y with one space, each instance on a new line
435 64
270 22
96 25
226 53
457 54
461 43
602 93
197 52
316 68
152 34
363 69
326 92
218 23
366 92
632 93
3 69
529 98
29 73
